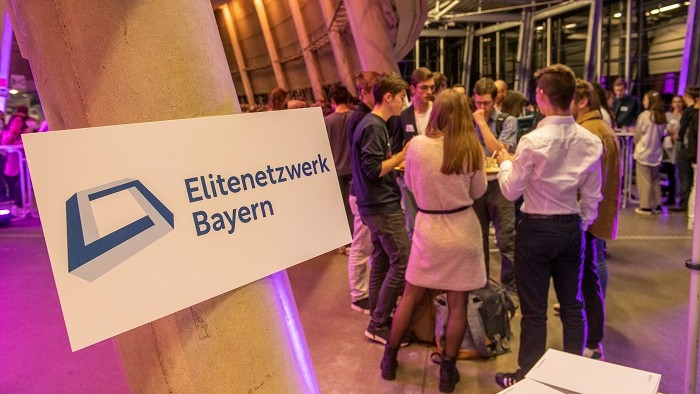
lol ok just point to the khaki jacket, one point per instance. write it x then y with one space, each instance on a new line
605 225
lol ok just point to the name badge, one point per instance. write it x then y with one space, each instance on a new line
624 108
410 129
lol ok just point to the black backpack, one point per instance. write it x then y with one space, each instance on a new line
489 311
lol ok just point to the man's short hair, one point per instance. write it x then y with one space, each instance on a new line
559 83
390 82
485 86
365 80
421 74
585 90
339 94
693 92
620 82
441 81
21 109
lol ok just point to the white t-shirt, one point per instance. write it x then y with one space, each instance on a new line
422 120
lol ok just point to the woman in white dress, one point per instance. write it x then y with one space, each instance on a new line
445 172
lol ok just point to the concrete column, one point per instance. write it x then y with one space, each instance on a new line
338 47
371 35
101 63
309 58
270 43
238 53
5 56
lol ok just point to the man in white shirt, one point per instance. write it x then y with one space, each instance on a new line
553 165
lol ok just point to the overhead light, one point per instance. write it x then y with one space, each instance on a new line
670 7
570 26
617 15
647 13
487 40
539 28
654 12
687 3
13 91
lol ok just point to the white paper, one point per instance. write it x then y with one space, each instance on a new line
167 266
584 375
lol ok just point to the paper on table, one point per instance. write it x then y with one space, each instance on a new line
585 375
529 386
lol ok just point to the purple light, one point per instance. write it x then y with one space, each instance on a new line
5 56
685 62
669 83
290 315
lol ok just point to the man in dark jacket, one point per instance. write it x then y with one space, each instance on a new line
379 202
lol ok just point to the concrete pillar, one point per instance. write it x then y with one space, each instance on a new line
270 43
101 63
238 53
371 35
338 47
305 43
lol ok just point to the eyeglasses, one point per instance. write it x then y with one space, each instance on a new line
483 103
426 87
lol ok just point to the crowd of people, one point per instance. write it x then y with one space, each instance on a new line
20 122
423 177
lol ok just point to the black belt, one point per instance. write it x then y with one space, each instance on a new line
558 218
446 212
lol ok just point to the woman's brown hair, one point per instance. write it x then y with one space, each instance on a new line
656 107
462 151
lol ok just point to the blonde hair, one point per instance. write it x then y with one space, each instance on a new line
451 115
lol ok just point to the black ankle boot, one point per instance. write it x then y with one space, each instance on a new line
449 376
389 363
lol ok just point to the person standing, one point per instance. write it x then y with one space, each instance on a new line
651 126
557 169
336 127
413 121
497 130
502 87
670 145
379 202
585 109
445 172
687 147
361 245
625 106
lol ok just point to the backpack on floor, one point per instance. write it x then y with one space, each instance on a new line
489 311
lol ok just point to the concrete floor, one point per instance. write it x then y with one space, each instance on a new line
647 321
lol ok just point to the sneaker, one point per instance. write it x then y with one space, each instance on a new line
507 379
361 306
596 354
382 335
557 308
643 211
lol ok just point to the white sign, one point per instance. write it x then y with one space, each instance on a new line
559 372
143 220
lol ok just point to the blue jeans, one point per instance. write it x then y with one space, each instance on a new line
549 247
410 207
388 263
593 296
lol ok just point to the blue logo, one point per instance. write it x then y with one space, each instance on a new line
91 256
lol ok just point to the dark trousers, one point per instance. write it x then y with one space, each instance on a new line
670 170
15 189
685 174
593 297
388 263
344 182
492 206
545 248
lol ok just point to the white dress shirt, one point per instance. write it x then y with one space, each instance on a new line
554 165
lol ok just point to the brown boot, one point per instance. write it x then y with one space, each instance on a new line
449 376
389 363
